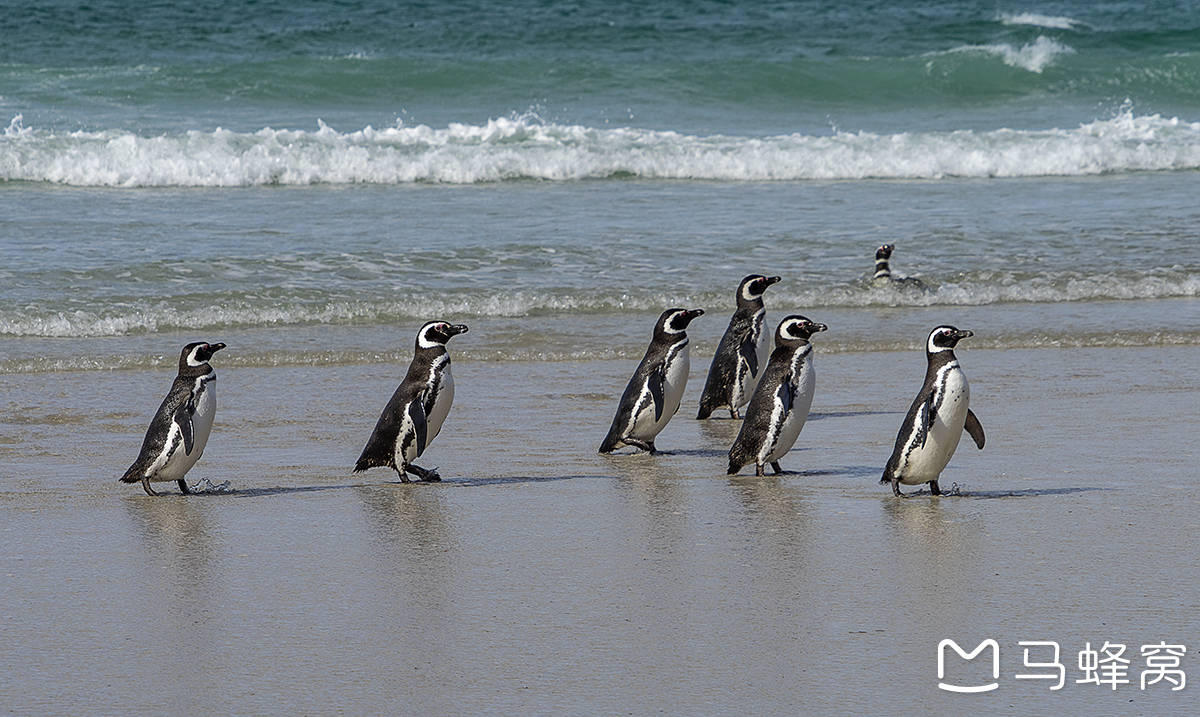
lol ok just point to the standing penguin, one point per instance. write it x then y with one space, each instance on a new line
883 270
781 402
179 430
654 392
742 354
937 418
414 415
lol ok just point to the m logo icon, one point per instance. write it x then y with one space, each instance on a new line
968 656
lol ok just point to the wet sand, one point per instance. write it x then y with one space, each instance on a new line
542 578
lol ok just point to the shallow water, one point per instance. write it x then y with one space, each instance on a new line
310 184
541 577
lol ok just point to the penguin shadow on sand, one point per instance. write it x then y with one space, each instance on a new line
964 491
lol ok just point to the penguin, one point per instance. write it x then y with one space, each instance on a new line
780 404
414 415
937 418
654 392
742 354
883 271
179 430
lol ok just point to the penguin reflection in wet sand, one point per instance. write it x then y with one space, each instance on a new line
654 392
937 418
883 270
781 402
742 354
179 431
414 415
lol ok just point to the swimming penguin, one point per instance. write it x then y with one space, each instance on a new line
179 430
883 271
414 415
654 392
781 402
937 418
742 354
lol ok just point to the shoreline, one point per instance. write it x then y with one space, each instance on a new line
541 577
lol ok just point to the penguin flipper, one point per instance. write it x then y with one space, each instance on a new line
924 417
416 414
183 419
786 395
974 428
658 377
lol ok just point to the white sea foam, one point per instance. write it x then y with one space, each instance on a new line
521 148
981 289
526 148
1047 21
1034 57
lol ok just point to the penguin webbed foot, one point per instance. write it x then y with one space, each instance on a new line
146 486
183 487
734 415
896 489
430 476
647 446
933 488
775 467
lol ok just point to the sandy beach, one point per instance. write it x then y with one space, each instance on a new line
542 578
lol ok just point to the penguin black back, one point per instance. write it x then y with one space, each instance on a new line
741 356
656 388
414 415
883 270
179 430
780 405
931 429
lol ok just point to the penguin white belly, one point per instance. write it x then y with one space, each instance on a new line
645 427
926 463
174 465
406 441
441 406
803 386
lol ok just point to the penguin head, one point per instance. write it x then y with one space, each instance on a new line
437 333
675 321
796 328
197 354
884 252
945 338
754 286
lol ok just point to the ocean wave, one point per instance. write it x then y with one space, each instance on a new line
527 148
1034 56
972 289
1050 22
496 349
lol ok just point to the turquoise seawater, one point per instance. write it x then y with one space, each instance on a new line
215 166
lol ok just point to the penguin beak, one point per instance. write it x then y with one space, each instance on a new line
819 327
694 313
771 280
456 329
963 334
213 348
